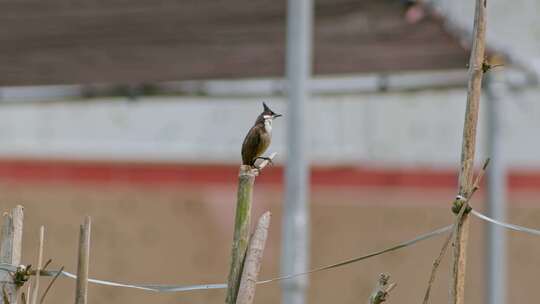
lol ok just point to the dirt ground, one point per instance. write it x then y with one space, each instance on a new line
181 235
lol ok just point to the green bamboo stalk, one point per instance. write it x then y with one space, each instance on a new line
242 222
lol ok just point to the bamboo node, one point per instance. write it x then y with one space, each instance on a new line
457 204
21 275
487 66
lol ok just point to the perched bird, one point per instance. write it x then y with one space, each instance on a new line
258 137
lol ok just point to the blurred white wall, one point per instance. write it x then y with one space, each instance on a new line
383 129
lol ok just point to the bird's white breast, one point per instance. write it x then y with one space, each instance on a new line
268 125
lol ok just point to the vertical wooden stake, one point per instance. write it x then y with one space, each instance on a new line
252 264
35 293
242 220
28 292
10 250
476 71
81 292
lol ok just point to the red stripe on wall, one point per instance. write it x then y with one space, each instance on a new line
153 173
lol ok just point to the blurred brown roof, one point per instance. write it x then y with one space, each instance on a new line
122 41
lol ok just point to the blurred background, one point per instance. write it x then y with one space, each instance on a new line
133 112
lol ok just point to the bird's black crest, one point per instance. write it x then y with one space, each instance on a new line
267 109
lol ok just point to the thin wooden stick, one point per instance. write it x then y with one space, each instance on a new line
436 264
253 261
382 289
49 261
242 222
81 291
10 251
476 63
51 284
35 293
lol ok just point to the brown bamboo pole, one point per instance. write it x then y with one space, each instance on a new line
476 71
81 289
246 179
10 252
253 261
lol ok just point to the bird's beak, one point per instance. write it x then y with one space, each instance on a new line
276 115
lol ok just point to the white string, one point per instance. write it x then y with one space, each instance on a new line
107 283
505 225
180 288
364 257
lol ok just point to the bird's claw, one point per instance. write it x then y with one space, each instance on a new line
268 159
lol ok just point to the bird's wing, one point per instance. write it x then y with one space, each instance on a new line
250 147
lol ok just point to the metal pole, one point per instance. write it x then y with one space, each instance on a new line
495 250
295 252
